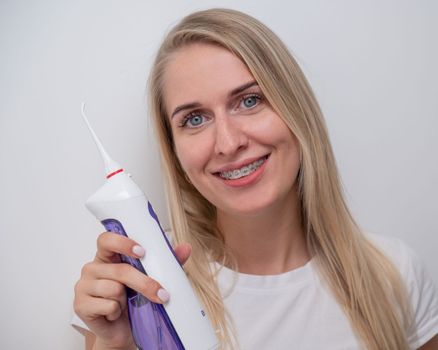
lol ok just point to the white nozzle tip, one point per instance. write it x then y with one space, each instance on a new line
111 166
83 109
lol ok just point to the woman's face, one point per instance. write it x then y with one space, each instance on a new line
234 148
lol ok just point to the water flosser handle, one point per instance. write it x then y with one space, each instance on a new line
129 213
179 324
150 325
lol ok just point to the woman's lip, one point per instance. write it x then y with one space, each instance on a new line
238 165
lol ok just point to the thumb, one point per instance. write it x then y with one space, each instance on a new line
182 252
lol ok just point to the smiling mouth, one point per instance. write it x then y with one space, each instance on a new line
243 171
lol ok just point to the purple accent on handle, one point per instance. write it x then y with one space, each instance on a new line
150 325
155 217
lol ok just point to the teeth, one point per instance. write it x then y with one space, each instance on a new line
243 171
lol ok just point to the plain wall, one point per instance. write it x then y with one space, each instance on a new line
372 65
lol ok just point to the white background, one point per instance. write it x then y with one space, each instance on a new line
373 65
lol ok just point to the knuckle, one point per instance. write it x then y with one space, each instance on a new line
78 306
87 269
101 239
112 306
77 287
117 290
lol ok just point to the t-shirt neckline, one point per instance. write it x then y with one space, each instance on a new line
286 279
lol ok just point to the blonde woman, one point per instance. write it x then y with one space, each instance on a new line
257 209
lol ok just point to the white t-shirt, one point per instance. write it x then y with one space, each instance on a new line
294 310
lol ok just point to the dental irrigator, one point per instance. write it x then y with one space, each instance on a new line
122 208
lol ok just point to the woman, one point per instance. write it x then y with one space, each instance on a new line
253 187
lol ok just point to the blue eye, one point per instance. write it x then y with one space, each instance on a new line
250 101
193 120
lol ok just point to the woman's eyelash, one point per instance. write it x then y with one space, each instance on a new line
253 94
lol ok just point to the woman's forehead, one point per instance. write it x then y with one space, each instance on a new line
199 71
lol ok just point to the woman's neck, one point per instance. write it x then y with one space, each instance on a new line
268 243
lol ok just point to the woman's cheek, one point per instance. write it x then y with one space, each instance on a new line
189 157
194 150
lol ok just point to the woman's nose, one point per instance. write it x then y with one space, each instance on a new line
229 136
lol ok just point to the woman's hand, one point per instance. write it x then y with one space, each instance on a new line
100 297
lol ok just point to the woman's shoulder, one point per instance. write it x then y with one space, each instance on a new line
420 286
405 259
401 255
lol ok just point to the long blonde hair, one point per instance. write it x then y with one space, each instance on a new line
364 281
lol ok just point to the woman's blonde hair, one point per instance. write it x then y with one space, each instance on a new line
364 282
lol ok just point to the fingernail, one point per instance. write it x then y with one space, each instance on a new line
163 295
138 250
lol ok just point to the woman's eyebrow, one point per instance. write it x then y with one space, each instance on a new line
185 106
242 88
234 92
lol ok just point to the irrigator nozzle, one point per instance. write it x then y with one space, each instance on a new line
111 167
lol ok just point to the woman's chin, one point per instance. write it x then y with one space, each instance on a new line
250 209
